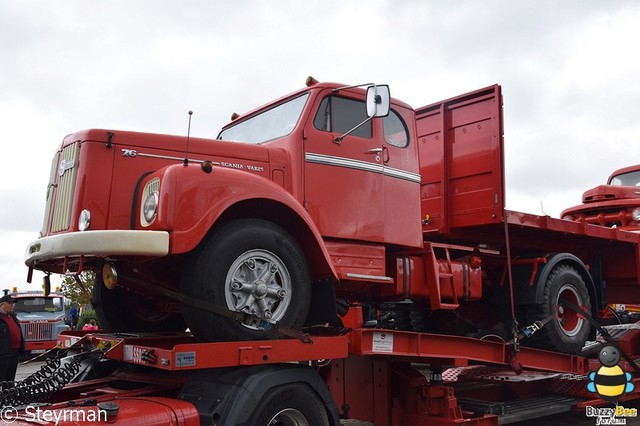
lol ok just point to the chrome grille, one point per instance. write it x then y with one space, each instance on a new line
65 170
49 200
37 331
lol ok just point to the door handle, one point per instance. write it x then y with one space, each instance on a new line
374 151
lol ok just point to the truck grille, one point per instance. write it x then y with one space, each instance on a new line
62 181
37 331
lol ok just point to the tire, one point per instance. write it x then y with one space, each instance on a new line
120 310
290 405
568 331
247 265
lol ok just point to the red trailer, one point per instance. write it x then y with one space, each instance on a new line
372 375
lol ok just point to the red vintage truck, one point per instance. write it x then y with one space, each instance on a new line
615 204
325 198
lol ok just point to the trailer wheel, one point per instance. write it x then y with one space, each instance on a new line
121 310
248 265
290 405
568 331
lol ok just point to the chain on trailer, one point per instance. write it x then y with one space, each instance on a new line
53 376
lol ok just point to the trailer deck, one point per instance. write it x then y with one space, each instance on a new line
374 375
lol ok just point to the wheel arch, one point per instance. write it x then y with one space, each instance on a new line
230 391
194 204
289 220
555 259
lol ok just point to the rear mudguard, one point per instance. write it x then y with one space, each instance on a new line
230 394
529 284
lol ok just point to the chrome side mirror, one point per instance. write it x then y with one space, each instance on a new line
378 100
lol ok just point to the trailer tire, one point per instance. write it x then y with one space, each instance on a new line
568 331
120 310
290 404
246 265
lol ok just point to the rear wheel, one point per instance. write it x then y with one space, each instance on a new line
290 405
252 266
568 331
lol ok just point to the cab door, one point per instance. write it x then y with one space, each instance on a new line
401 177
343 180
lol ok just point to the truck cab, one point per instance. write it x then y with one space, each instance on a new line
41 319
320 180
616 204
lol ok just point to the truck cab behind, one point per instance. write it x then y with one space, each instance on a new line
41 319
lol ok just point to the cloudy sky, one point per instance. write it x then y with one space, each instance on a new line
570 72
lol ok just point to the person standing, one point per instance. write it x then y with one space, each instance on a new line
11 339
73 316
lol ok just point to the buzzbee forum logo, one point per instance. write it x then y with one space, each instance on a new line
610 382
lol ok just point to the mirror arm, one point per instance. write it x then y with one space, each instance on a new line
336 90
339 139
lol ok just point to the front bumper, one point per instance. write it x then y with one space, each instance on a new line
99 244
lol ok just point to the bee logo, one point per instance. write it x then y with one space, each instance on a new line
610 382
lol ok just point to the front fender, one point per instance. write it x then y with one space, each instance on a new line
191 201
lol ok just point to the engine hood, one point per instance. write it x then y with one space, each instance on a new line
610 192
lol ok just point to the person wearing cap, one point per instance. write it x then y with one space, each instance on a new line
11 339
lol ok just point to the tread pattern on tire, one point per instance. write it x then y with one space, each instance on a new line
206 269
551 336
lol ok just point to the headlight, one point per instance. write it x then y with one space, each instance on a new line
636 215
84 220
150 207
109 276
150 200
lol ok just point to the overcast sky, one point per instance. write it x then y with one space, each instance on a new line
570 74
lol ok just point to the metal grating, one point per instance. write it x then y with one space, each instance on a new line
50 192
66 172
37 331
514 411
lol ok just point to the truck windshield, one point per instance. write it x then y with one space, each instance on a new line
273 123
626 179
38 304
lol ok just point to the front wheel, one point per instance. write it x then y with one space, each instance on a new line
567 332
121 310
251 266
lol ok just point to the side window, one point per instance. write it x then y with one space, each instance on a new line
395 130
339 115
